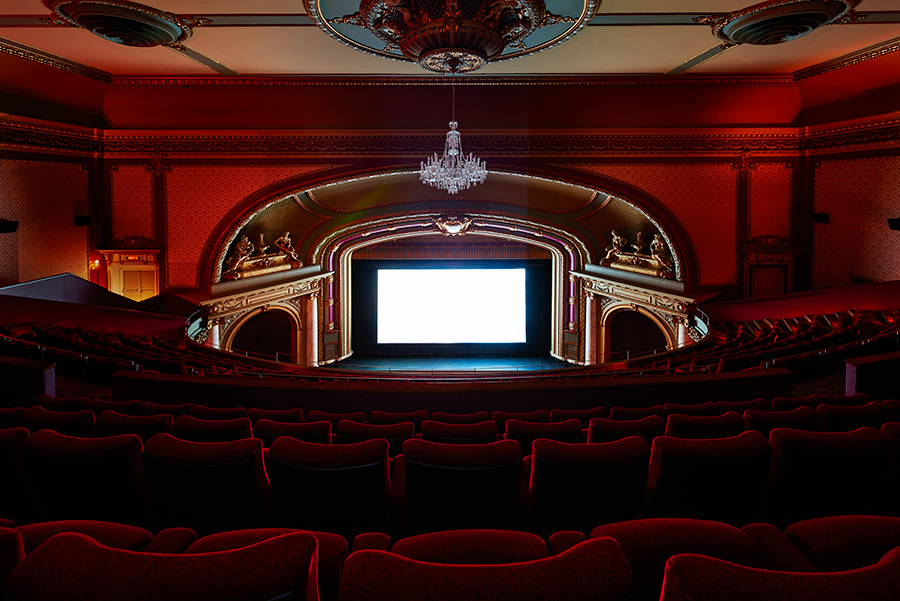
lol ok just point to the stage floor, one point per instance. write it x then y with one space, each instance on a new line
455 364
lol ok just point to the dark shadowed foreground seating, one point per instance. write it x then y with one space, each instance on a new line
800 418
477 433
16 501
704 426
71 423
699 578
267 431
75 567
208 486
349 432
187 427
113 423
460 418
472 547
579 486
526 433
594 570
719 479
609 430
845 542
336 488
87 478
448 487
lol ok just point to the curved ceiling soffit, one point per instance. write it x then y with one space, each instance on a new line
227 233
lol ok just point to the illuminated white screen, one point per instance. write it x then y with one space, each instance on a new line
446 306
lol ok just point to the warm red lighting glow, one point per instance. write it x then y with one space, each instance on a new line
95 264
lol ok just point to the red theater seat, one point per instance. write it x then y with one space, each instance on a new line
335 418
741 406
609 430
87 478
707 408
111 423
582 415
71 423
839 418
845 542
817 474
335 488
16 497
691 577
719 479
203 412
74 566
386 418
11 417
52 403
636 413
268 431
476 433
578 486
526 433
475 547
449 487
208 486
186 427
800 418
594 570
287 416
649 543
149 408
98 406
349 432
538 416
704 426
460 418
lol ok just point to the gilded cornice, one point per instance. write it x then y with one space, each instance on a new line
886 132
221 307
848 60
27 136
663 302
18 50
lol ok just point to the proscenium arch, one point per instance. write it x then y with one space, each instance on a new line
609 310
568 253
220 239
297 342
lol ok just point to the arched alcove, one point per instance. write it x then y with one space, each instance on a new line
273 333
632 332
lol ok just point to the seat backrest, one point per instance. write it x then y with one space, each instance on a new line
349 432
582 415
16 497
187 427
177 410
635 413
71 423
52 403
87 478
288 416
538 416
112 423
699 578
335 418
741 406
388 417
111 534
460 418
208 486
842 418
719 479
74 566
817 474
800 418
707 408
845 542
476 433
472 547
649 543
98 406
595 570
335 488
578 486
525 433
704 426
11 417
268 430
204 412
461 486
608 430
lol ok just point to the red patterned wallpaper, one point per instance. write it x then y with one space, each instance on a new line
859 195
770 200
44 198
132 202
703 196
196 200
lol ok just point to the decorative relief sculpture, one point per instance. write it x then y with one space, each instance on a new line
658 264
453 224
244 263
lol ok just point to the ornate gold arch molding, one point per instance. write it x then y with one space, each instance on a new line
569 253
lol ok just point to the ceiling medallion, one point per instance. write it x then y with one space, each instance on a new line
125 23
779 21
451 36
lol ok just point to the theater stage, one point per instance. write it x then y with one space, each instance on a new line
444 363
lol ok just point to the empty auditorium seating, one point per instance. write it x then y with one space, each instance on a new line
11 417
472 547
582 415
741 406
447 487
72 423
846 542
16 497
87 478
708 408
453 433
696 577
537 416
595 570
578 486
336 488
635 413
704 426
348 432
783 404
527 432
186 427
98 406
719 479
649 543
75 566
268 430
149 408
335 418
460 418
52 403
290 416
840 418
208 486
112 423
799 418
204 412
388 417
817 474
608 430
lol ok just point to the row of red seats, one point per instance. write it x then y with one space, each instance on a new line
842 558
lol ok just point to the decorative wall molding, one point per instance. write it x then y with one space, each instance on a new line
219 309
885 133
663 303
28 136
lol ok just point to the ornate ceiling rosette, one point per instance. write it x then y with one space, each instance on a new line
451 36
125 23
779 21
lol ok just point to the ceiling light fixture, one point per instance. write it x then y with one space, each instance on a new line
452 171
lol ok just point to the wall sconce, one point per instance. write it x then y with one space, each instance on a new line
95 264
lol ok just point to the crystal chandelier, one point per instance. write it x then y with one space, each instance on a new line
452 171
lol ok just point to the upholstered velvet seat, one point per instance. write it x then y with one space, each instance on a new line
204 412
582 415
335 418
476 433
840 418
460 418
799 418
536 416
267 431
609 430
112 423
71 423
187 427
704 426
845 542
349 432
525 433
